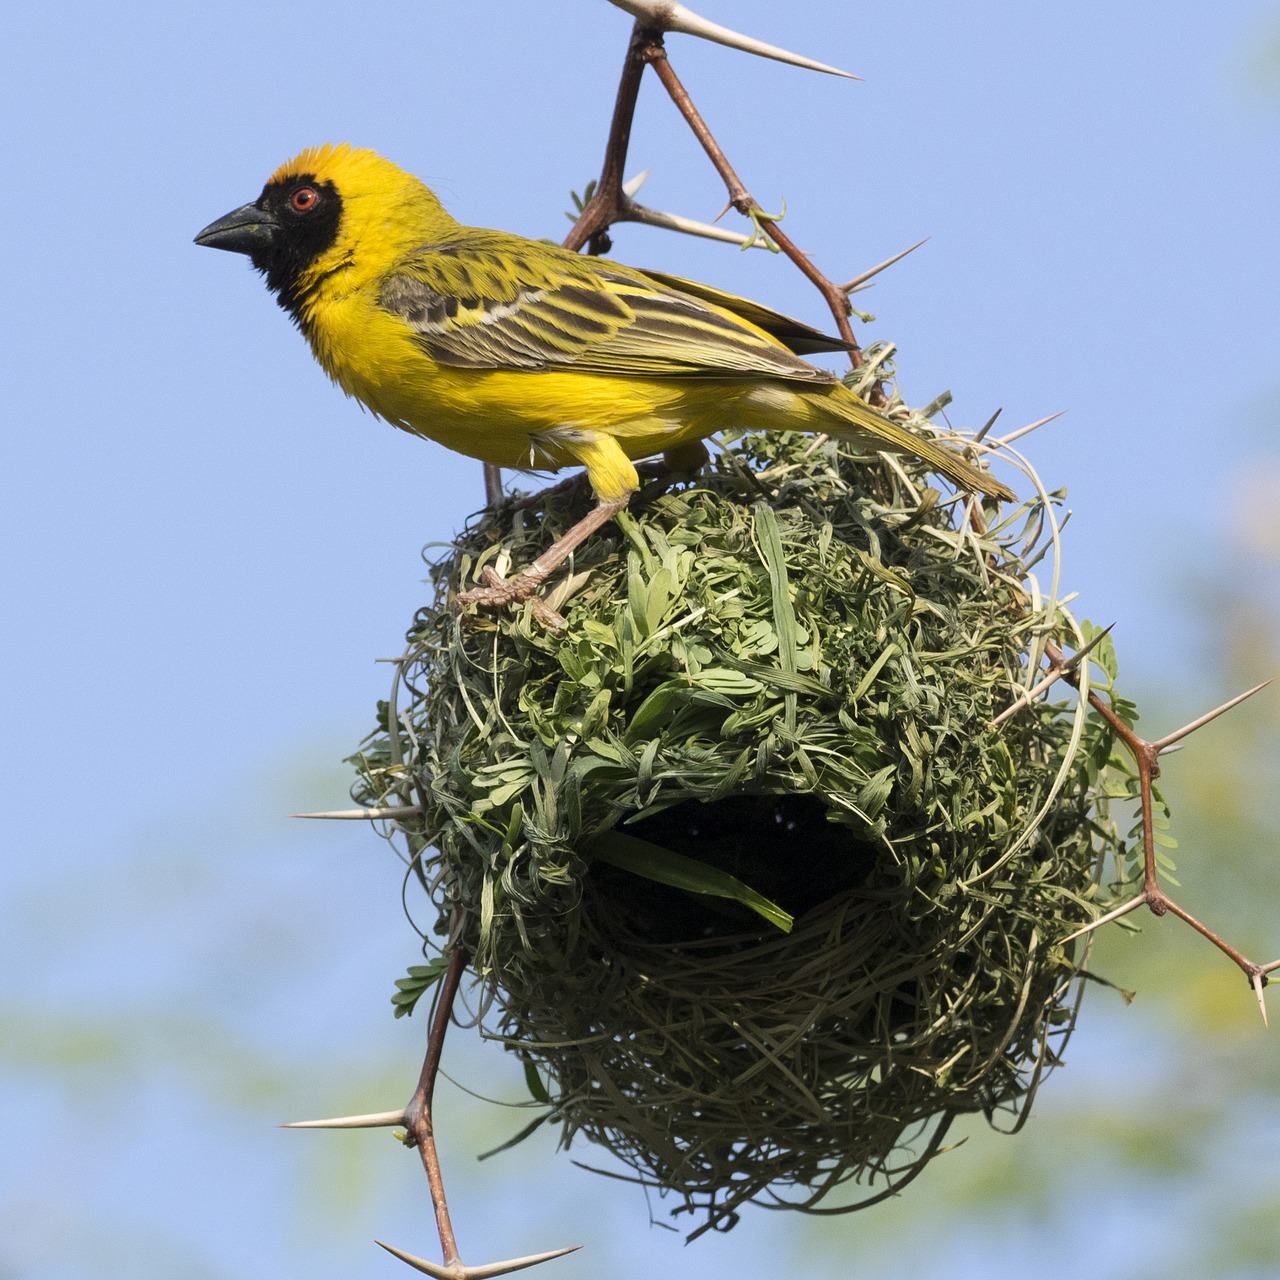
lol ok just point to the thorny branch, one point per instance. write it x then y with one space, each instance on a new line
610 203
419 1127
1146 756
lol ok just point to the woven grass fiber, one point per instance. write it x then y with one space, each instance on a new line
776 686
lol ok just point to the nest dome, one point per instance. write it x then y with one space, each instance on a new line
751 882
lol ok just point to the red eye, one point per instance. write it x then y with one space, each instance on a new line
304 199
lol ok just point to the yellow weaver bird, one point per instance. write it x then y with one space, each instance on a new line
525 355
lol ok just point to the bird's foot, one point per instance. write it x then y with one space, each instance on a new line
500 592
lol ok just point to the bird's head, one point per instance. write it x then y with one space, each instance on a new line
329 209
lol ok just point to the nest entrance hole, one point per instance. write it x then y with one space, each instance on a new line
781 845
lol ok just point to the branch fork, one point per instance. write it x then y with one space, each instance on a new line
419 1126
1146 756
612 202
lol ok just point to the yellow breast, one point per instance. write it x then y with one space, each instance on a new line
517 418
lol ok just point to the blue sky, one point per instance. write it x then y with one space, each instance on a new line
207 547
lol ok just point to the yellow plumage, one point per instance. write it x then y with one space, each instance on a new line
522 354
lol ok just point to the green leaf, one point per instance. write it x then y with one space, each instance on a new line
599 634
778 678
653 862
533 1081
784 617
658 708
891 650
532 1127
936 405
775 559
727 681
596 716
422 977
515 827
881 571
876 790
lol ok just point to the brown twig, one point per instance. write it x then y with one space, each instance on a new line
609 203
492 484
1059 669
419 1125
745 203
1146 756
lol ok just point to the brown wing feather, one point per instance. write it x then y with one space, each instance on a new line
491 301
794 334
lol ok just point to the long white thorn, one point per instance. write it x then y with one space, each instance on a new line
667 15
1133 905
1028 696
1028 429
374 1120
632 185
858 281
1168 740
365 815
1258 983
674 222
459 1271
1062 669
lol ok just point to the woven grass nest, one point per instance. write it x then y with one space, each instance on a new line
752 886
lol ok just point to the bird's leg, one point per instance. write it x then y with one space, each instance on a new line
614 479
492 484
503 591
684 459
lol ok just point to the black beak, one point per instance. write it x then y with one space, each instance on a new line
248 230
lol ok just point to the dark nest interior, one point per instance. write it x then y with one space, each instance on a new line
751 883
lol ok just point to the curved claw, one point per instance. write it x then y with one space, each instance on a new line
460 1271
503 591
375 1120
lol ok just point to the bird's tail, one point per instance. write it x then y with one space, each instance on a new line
843 414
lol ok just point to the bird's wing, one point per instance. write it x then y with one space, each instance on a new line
801 338
491 301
